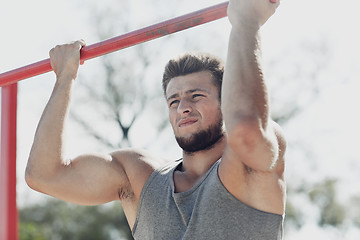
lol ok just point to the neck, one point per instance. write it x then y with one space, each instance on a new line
198 163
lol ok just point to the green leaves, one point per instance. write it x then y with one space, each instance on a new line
57 220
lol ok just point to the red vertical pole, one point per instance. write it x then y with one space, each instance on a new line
8 209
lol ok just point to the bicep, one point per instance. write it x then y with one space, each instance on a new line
257 148
88 180
254 173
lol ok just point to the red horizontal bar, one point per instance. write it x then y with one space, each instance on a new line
123 41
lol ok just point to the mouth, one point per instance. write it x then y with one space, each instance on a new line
186 122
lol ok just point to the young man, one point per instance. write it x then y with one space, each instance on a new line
228 185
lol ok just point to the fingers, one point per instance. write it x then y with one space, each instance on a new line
73 45
80 43
65 58
251 12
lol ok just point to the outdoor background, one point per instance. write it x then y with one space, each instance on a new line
311 64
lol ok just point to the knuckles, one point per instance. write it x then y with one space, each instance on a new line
251 10
70 47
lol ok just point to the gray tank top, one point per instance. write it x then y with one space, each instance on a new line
206 211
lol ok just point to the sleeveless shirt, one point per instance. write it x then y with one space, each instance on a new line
204 212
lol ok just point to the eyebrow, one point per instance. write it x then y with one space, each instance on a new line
175 95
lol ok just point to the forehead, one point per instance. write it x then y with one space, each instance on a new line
182 84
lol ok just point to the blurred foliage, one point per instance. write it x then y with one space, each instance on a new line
120 97
354 210
58 220
30 231
324 196
294 217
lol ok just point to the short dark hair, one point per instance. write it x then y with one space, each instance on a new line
193 63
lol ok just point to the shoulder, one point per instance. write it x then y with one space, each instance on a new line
138 165
258 174
136 156
280 136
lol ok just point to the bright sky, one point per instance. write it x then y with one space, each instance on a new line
302 36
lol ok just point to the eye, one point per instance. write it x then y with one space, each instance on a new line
197 95
171 103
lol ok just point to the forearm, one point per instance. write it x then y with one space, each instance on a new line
87 179
46 156
245 98
245 104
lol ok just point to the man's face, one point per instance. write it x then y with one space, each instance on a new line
194 111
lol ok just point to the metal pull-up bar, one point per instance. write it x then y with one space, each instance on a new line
123 41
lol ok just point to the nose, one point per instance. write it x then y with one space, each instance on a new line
184 106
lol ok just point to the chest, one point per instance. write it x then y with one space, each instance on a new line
205 211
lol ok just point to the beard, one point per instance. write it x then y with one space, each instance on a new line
202 140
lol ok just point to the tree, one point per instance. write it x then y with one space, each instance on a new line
58 220
354 210
294 87
121 95
324 195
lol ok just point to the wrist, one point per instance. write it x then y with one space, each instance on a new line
64 81
249 26
244 21
66 76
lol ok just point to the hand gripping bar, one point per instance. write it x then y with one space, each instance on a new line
123 41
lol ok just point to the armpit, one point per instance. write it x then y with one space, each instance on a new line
125 193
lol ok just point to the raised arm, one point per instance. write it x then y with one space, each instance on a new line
87 179
253 162
251 132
